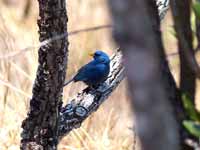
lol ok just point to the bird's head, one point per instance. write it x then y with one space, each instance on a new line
101 57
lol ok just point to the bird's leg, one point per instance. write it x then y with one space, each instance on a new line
86 90
90 88
98 87
94 86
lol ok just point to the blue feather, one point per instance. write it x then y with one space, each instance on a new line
95 71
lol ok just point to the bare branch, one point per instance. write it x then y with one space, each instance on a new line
163 6
54 38
89 29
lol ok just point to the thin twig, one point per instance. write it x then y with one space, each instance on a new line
75 32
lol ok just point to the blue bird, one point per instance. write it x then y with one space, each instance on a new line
95 72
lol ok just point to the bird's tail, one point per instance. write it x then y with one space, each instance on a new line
68 82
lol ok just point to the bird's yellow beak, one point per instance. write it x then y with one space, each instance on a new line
91 54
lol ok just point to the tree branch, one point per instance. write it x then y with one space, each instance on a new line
163 6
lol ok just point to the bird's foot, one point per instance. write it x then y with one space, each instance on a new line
86 90
90 88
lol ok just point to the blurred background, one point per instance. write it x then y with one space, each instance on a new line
109 128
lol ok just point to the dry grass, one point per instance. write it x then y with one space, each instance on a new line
107 129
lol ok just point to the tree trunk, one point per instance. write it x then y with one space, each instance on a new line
148 73
181 14
40 128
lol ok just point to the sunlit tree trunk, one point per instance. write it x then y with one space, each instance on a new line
40 128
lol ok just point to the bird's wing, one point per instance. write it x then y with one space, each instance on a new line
84 72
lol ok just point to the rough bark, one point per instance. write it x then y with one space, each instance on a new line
163 6
135 33
40 128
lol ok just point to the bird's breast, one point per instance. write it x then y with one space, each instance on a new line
98 75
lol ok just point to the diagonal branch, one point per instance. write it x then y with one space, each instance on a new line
87 102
